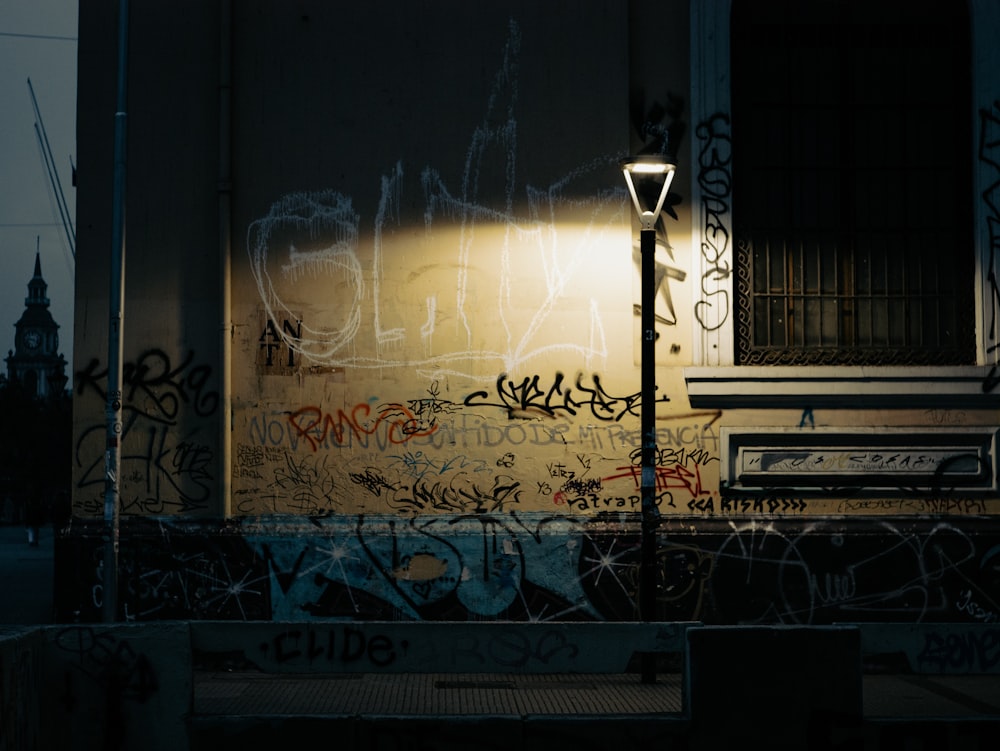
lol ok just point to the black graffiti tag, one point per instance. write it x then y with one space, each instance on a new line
715 181
155 387
529 397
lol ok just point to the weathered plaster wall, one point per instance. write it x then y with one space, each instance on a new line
431 274
430 348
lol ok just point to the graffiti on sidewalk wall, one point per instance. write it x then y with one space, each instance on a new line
538 567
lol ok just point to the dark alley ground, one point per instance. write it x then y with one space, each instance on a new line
26 585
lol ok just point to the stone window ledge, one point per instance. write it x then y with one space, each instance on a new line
848 387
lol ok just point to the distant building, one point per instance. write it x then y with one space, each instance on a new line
35 361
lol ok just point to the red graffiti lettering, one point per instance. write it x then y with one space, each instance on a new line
393 422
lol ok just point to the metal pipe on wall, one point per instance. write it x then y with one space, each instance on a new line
116 331
225 191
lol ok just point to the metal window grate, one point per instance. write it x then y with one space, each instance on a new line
815 302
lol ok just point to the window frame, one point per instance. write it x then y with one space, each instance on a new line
714 380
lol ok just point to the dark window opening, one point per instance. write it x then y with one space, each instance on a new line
852 193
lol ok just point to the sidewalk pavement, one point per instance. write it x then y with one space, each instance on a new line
903 696
434 694
447 712
26 576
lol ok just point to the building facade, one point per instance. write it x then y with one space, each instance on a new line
380 329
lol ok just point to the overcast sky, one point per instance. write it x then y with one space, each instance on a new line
38 41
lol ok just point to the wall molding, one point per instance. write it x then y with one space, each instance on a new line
853 387
865 460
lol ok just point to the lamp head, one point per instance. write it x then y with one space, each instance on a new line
648 177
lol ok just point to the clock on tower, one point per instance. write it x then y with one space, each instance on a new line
32 340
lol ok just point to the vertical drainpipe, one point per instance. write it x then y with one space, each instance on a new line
116 333
225 191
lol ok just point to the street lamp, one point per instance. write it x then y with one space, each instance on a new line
648 178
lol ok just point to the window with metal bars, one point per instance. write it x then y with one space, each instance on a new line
852 194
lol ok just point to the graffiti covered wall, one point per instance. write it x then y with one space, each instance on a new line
536 567
404 381
450 329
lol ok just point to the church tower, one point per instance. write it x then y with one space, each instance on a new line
35 362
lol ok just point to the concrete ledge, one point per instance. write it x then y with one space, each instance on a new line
936 648
116 686
20 684
776 684
432 647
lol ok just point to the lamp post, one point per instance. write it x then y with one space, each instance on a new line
648 178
